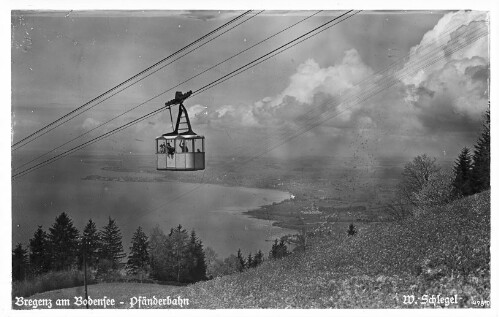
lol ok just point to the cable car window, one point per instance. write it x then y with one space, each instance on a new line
198 145
183 146
161 146
170 147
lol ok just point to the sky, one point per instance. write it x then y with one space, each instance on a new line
62 59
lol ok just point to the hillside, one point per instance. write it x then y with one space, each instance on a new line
445 252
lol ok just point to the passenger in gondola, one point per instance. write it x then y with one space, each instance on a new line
170 149
184 147
162 148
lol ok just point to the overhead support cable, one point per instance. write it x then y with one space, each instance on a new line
165 91
471 37
130 81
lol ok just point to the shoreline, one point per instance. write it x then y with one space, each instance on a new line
255 213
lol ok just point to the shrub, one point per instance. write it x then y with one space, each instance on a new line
351 230
437 191
49 281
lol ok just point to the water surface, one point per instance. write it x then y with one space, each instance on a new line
213 211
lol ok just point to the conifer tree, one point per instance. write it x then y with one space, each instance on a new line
177 250
258 258
39 256
197 271
111 248
480 177
279 250
138 259
63 238
250 263
241 263
158 254
90 244
351 230
19 263
461 186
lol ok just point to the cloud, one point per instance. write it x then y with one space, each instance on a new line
437 109
452 96
310 78
311 90
90 123
453 28
197 110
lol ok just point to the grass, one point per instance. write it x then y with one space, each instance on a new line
46 282
443 251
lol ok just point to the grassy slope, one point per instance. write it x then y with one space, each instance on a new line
444 251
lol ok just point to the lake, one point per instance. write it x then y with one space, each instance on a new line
215 212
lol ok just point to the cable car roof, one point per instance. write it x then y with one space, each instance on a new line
171 136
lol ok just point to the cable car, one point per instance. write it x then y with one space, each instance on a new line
182 149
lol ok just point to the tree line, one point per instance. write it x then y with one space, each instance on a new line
178 256
425 184
64 248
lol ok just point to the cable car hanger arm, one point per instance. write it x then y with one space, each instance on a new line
179 98
182 113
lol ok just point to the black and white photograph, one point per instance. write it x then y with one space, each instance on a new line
245 157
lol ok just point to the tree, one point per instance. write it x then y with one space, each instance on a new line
158 254
299 240
436 192
258 258
138 259
177 248
39 257
19 263
461 186
90 244
197 269
210 260
228 266
63 238
250 261
351 230
279 250
111 248
241 264
415 175
480 176
396 208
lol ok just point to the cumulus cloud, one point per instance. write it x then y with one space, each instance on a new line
452 29
310 78
311 91
452 95
440 107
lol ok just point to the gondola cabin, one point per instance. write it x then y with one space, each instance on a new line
182 149
180 152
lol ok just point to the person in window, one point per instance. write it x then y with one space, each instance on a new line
184 147
162 148
170 149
